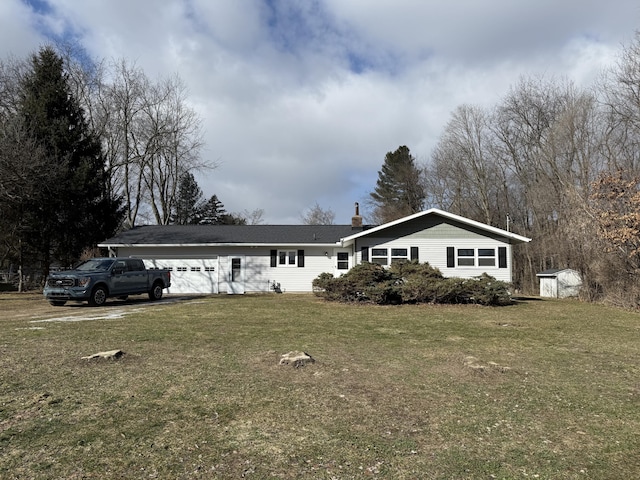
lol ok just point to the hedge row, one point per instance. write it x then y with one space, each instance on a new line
409 282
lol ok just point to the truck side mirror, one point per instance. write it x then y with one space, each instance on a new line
117 271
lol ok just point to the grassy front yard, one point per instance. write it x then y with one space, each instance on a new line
542 389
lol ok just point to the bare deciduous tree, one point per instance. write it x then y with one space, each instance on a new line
463 160
150 135
316 215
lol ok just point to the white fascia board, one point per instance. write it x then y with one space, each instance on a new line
442 213
251 245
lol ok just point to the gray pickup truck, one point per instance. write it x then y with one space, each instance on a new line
97 279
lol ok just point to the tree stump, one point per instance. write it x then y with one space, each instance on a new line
296 359
109 355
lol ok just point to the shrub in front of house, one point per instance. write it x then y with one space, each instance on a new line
409 282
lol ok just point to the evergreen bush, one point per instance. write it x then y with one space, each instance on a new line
409 282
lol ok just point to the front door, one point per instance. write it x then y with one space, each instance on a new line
235 284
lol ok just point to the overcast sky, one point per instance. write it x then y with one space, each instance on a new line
301 99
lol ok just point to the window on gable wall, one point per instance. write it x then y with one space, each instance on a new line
486 257
399 255
480 257
379 256
387 256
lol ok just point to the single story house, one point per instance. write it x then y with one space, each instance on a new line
560 283
259 258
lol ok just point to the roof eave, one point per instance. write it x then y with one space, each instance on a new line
442 213
250 245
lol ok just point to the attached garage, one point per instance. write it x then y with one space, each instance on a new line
189 275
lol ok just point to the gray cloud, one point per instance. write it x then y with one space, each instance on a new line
301 100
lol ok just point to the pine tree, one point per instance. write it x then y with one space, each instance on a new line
189 204
399 191
72 211
212 212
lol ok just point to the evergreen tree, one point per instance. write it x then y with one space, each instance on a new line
189 204
232 219
212 212
72 211
399 191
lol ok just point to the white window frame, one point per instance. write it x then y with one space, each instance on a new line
288 256
400 257
476 257
379 258
391 255
342 264
485 256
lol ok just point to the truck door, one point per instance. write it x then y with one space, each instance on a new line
137 277
118 277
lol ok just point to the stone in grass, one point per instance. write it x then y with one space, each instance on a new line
109 355
473 364
296 359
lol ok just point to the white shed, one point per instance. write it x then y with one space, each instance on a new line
560 283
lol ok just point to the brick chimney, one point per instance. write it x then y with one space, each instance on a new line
356 220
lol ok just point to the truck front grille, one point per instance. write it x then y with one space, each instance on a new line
61 282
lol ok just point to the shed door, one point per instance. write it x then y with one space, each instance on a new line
235 282
548 287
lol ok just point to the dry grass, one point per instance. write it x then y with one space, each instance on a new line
543 389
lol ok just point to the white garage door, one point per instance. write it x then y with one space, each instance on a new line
189 275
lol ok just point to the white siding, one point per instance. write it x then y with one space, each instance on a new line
259 275
431 237
434 251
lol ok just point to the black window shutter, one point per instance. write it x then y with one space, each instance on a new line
274 258
502 257
365 254
301 258
414 253
451 257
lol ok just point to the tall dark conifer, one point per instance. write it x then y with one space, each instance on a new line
213 213
71 211
399 191
188 201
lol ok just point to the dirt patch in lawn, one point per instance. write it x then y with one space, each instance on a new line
33 307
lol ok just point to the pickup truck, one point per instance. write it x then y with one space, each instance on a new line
97 279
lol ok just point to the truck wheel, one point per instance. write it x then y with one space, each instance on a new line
57 303
98 297
156 291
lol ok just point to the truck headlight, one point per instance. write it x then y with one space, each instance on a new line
84 281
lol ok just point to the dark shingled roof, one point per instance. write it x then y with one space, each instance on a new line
231 234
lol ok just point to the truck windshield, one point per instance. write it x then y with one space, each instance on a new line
96 264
